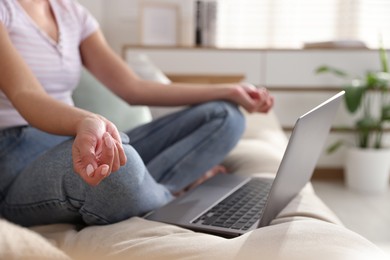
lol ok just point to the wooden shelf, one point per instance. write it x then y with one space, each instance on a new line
207 79
328 173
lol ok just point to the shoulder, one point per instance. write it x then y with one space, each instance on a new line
83 16
74 7
86 23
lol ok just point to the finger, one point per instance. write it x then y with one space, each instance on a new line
102 172
251 90
116 161
266 100
255 95
248 86
261 102
248 100
121 152
249 106
113 131
84 158
96 179
267 105
110 142
90 174
122 155
263 92
107 154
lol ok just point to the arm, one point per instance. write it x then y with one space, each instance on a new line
41 111
116 75
29 98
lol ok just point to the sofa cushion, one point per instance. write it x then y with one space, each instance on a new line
301 239
21 243
305 229
91 95
251 155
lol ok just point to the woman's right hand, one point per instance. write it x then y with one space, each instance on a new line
97 149
252 99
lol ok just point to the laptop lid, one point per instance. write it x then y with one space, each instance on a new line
300 158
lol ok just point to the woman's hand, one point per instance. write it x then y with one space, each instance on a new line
251 98
97 150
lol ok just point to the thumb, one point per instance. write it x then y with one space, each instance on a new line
84 156
88 169
254 94
85 163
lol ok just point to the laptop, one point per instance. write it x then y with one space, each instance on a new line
231 205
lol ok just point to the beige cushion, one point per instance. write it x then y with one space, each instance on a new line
261 147
20 243
305 229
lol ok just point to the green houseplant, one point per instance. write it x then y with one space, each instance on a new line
362 93
368 97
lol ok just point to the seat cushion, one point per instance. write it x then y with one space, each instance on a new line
21 243
305 229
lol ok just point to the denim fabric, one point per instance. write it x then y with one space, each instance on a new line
38 184
179 148
19 146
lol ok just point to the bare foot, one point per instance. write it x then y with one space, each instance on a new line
207 175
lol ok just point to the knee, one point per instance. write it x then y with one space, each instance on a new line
130 178
131 191
234 120
234 116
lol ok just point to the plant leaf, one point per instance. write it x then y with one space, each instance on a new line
353 96
386 113
367 124
335 146
377 80
383 57
366 127
332 70
371 80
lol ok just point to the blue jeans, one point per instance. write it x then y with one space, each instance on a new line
38 184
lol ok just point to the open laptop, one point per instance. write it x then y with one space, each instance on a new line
231 205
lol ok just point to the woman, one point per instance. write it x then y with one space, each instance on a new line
63 164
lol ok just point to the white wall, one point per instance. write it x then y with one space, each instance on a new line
119 19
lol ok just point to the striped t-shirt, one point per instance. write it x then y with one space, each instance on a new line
57 66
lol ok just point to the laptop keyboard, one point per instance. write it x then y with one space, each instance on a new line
241 209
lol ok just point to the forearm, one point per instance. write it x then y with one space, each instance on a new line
177 94
30 99
49 115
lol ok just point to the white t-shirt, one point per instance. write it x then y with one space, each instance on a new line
57 66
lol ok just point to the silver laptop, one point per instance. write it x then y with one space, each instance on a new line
231 205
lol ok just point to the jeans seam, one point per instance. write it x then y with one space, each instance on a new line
83 211
65 202
41 203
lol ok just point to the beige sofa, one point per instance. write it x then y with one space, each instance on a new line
305 229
